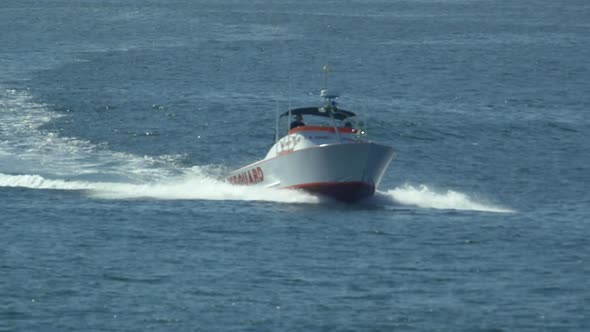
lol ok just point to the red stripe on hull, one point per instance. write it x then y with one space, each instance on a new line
343 191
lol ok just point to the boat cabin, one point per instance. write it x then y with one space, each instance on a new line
331 117
329 125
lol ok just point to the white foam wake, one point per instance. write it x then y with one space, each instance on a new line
33 157
62 163
197 186
182 188
424 197
26 147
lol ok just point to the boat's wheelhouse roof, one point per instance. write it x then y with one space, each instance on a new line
337 113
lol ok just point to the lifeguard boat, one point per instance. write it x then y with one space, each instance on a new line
329 157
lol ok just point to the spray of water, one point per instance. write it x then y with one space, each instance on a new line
424 197
183 188
205 188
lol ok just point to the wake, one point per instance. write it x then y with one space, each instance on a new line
200 187
184 188
35 158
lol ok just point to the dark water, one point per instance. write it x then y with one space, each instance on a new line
119 118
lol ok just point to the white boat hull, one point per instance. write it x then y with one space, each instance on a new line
347 172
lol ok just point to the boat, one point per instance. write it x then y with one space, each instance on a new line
329 156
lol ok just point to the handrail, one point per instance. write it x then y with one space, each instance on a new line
345 130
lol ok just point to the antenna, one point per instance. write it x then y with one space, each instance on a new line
328 96
329 101
277 120
326 69
289 99
290 87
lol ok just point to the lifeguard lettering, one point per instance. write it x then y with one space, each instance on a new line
249 177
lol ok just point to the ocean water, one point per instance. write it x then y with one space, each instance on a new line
119 120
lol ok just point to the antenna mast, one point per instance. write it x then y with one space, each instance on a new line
329 101
328 96
326 69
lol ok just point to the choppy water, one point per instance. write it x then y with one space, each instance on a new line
118 120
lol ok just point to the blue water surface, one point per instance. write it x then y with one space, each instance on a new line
119 120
